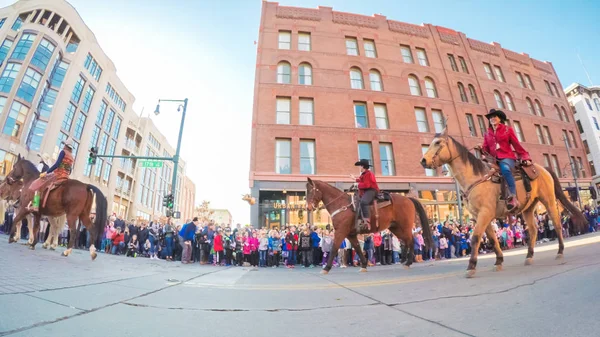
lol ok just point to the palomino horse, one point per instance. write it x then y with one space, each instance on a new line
482 196
11 193
399 217
72 197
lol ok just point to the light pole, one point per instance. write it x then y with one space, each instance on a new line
458 198
176 157
573 171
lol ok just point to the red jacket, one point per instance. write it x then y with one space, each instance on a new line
118 238
366 181
218 243
498 144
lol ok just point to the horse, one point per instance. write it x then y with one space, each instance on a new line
11 193
473 177
399 217
72 198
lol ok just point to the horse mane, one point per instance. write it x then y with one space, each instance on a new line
325 186
29 166
479 167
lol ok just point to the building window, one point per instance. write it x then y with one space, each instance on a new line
110 119
566 137
303 41
509 102
101 113
538 108
284 110
42 54
360 115
573 140
6 45
499 101
375 78
284 73
47 103
306 111
596 103
579 127
351 46
530 106
15 120
428 172
37 134
421 116
386 155
564 112
98 170
87 99
555 90
370 48
452 62
547 135
482 126
528 82
473 94
518 131
8 76
471 124
430 88
520 79
488 71
438 121
79 125
461 91
305 74
307 157
58 75
592 168
546 160
586 146
587 101
29 85
77 90
560 116
22 48
406 54
68 119
580 168
538 132
422 57
285 39
117 128
356 80
555 165
499 74
381 117
463 64
413 83
17 24
548 88
365 151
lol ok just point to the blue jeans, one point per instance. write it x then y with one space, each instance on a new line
262 258
396 257
169 247
506 166
152 244
118 249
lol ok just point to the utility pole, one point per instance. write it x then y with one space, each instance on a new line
573 171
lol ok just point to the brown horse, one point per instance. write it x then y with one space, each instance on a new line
482 196
72 197
399 217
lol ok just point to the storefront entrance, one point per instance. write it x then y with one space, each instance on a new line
278 209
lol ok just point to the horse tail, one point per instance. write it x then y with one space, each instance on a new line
101 211
579 221
428 238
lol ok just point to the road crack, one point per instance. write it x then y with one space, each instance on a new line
251 310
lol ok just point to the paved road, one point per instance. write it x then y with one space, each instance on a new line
44 294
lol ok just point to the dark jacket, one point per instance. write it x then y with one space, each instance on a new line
305 242
143 235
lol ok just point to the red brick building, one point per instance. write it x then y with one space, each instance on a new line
333 87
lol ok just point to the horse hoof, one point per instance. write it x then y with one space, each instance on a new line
324 272
32 247
362 270
94 255
11 240
45 246
52 248
497 267
559 256
65 254
470 273
529 261
406 267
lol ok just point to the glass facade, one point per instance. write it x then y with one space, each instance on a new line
278 209
77 90
60 70
29 85
42 55
109 120
23 46
15 120
47 103
68 119
101 113
283 156
87 99
4 48
79 125
8 76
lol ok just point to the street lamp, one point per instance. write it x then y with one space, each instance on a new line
176 157
458 198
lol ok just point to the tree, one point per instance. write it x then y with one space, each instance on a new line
203 211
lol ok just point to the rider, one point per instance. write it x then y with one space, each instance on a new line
367 187
497 142
58 172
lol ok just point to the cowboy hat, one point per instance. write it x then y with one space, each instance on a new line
45 157
69 143
363 163
498 113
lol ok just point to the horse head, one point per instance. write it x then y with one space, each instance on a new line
10 191
313 195
439 152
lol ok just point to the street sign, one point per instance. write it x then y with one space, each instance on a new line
176 215
150 163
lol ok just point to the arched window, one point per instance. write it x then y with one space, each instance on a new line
473 94
538 108
413 83
375 78
356 80
509 102
305 74
529 106
499 101
430 88
564 112
560 116
461 91
284 73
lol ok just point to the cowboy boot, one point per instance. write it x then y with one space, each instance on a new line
513 203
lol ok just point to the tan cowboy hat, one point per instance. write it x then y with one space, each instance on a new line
45 157
69 143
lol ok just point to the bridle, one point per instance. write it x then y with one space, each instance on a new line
337 211
436 155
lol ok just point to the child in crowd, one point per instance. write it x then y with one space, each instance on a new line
239 250
396 249
246 248
263 247
443 246
254 249
147 246
275 248
133 246
327 244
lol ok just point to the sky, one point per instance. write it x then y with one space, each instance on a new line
204 50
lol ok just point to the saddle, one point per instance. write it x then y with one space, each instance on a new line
45 186
382 199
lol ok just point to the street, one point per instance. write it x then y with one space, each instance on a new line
45 294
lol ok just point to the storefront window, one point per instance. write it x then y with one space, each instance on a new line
6 162
442 205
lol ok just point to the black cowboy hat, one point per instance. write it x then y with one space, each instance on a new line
499 113
363 163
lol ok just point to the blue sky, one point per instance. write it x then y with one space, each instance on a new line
204 50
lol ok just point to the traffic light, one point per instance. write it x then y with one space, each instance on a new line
171 201
93 155
165 200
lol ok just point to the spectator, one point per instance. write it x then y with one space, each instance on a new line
218 248
263 247
118 242
133 246
187 234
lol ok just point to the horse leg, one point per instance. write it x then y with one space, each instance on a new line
72 221
489 231
363 260
551 205
36 230
337 242
484 218
85 219
54 223
30 227
532 228
15 231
